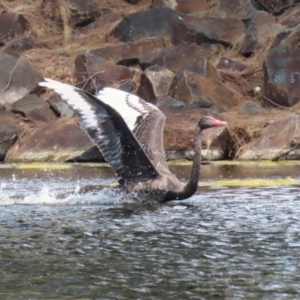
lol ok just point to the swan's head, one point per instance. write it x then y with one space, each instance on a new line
209 122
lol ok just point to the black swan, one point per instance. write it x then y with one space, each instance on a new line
129 133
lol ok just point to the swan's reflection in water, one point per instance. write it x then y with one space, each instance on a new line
225 243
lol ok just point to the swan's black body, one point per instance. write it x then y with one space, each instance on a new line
129 133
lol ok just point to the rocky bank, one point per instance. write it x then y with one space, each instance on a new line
238 60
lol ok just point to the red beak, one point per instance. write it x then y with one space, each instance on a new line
219 123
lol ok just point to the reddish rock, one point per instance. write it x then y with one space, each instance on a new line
274 7
260 30
229 64
236 9
11 25
204 90
192 29
178 56
17 78
183 6
104 21
92 72
290 17
9 131
281 69
80 12
155 82
149 23
179 136
58 141
277 141
129 53
34 108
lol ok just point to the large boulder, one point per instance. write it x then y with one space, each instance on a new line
154 83
237 9
10 128
149 23
11 26
179 136
260 30
129 53
199 86
192 29
281 69
34 108
279 141
57 141
177 57
17 78
93 72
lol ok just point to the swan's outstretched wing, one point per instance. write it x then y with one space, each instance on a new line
144 119
109 131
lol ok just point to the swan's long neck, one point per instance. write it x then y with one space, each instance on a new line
192 185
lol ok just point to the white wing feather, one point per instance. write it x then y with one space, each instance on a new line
129 106
69 94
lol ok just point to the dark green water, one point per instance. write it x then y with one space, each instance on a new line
62 238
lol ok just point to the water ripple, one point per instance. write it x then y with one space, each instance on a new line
223 243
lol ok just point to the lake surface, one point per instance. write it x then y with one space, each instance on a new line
61 237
